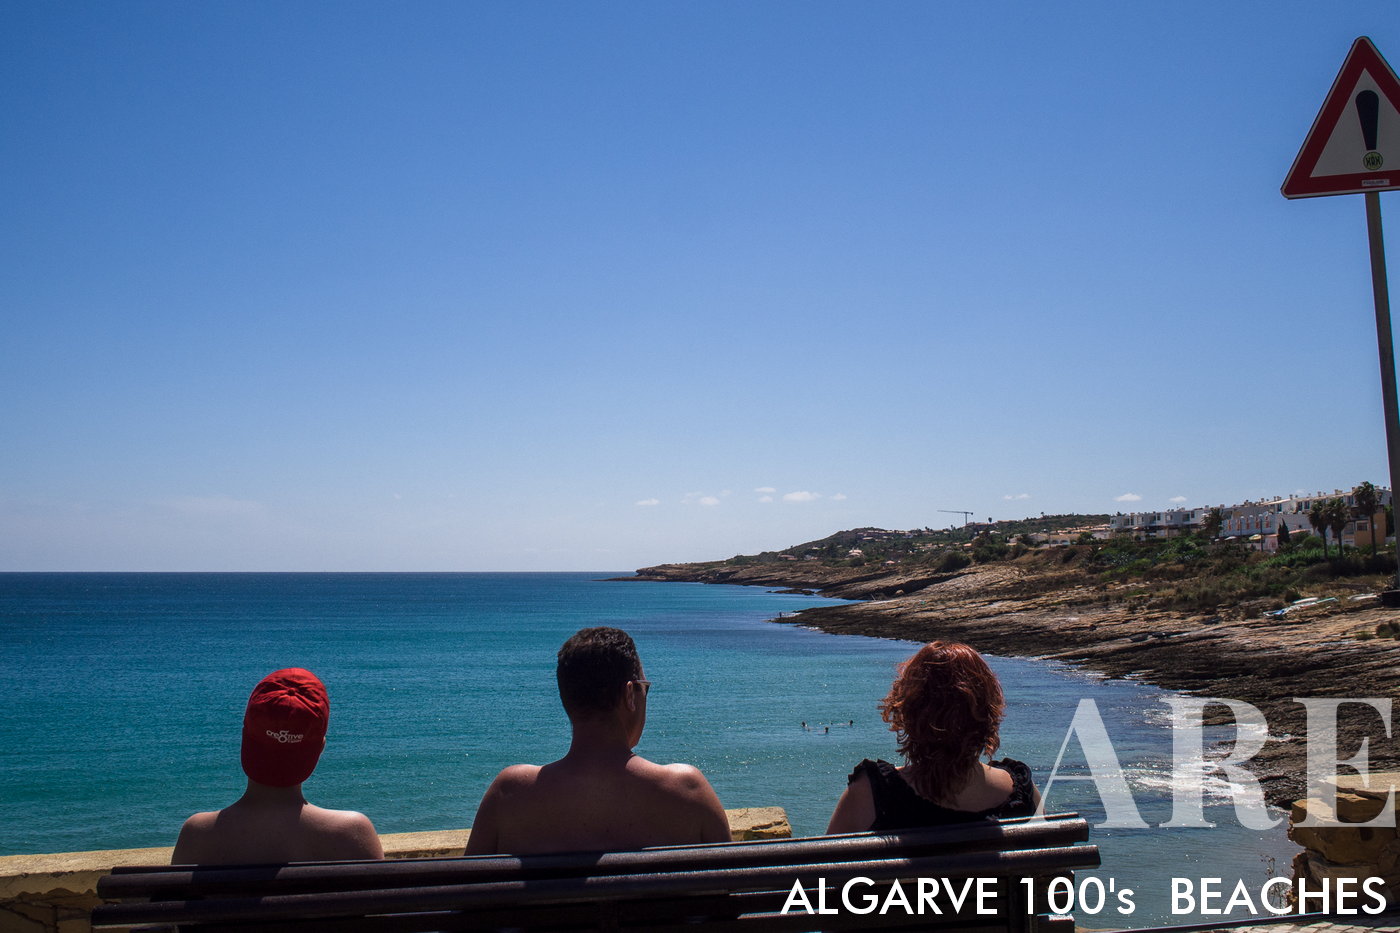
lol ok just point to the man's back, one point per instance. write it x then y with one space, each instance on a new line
600 795
587 805
248 833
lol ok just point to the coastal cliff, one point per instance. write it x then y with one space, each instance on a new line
1039 605
812 577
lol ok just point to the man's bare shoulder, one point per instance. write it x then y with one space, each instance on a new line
201 822
515 774
192 845
687 789
510 795
335 819
516 778
680 779
685 777
344 833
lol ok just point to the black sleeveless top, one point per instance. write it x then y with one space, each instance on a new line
897 806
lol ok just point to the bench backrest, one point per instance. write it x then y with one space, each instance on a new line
702 887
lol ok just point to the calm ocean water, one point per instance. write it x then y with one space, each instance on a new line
125 693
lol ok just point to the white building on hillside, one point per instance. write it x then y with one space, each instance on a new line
1264 518
1161 524
1247 519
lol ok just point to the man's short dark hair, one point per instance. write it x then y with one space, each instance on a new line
594 665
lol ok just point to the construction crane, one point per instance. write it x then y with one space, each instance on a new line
967 516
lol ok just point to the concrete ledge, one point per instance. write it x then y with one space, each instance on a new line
77 871
750 823
432 844
54 893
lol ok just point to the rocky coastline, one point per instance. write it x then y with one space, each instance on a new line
1239 654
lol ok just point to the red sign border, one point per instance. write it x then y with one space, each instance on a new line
1300 182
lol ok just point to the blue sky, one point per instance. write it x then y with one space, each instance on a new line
554 286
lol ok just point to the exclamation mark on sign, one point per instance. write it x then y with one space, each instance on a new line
1368 108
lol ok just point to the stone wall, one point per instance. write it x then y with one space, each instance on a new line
1340 849
56 893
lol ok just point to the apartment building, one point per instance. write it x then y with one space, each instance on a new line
1255 522
1264 519
1159 524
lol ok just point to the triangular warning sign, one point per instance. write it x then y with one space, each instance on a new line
1354 144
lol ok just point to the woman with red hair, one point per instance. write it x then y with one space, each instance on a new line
946 707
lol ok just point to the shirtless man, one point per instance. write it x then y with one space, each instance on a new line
600 796
284 732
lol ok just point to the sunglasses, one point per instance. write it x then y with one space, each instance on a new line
645 684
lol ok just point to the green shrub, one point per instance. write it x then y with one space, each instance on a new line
951 560
988 551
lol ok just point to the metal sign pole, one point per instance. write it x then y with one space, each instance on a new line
1381 292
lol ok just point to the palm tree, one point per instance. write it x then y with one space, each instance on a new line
1212 522
1338 515
1367 500
1317 517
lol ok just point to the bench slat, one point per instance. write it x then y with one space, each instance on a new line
175 882
759 911
673 885
771 922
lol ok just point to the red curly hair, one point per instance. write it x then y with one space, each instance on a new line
946 707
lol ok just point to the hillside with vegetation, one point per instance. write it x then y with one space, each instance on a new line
1190 572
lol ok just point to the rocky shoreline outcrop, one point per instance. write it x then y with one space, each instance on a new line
1239 654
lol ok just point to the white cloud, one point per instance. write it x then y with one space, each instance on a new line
801 495
766 490
839 497
726 492
1177 499
1128 497
708 500
1019 495
648 501
765 498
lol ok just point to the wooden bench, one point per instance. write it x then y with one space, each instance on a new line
726 886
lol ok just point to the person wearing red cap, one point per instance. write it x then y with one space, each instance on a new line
601 795
284 732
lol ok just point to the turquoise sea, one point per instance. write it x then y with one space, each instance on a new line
124 695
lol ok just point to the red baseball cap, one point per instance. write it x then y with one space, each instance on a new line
284 728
